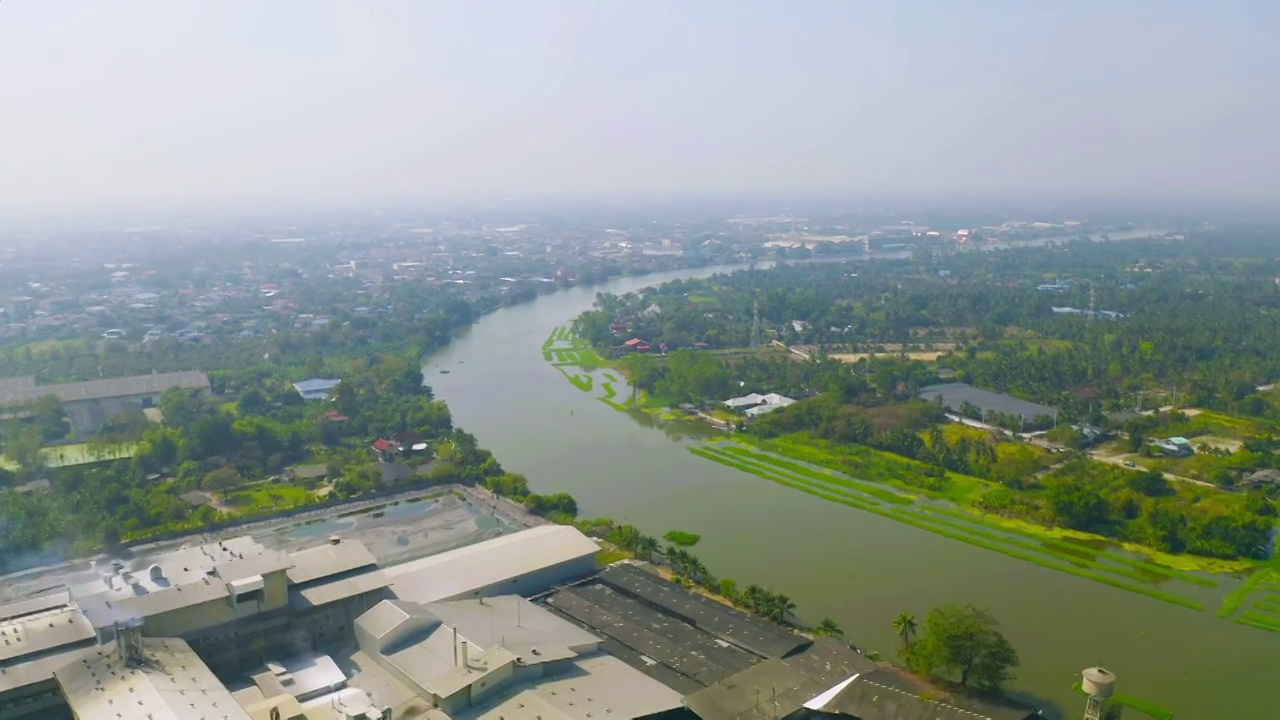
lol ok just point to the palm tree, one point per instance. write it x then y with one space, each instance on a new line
782 607
829 628
752 597
905 626
644 546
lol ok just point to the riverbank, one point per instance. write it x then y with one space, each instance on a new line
906 491
859 568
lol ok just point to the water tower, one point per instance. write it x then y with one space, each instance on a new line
1098 683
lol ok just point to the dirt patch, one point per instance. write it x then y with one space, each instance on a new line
1219 443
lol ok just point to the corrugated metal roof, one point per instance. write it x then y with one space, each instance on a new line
462 571
325 560
34 605
173 684
103 612
324 593
42 631
16 394
21 673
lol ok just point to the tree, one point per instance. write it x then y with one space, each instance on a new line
828 627
965 642
50 417
906 627
222 479
1076 505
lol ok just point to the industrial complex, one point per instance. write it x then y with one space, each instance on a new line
519 627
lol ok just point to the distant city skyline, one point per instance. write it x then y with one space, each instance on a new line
130 105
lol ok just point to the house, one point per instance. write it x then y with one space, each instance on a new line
772 401
755 404
385 449
636 345
744 402
1091 435
618 326
1174 446
316 388
334 416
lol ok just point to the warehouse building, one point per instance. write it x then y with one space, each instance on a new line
522 563
92 403
489 659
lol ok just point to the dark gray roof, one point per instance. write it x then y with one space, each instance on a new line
954 395
11 394
778 688
889 695
394 471
749 632
687 650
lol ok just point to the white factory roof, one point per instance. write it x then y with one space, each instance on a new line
468 569
600 686
42 631
172 684
182 578
325 560
303 677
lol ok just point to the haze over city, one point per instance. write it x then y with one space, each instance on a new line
230 104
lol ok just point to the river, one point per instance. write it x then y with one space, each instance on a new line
834 560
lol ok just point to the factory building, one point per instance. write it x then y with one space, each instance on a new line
502 657
233 602
522 563
238 606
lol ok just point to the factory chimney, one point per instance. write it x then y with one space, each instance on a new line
129 642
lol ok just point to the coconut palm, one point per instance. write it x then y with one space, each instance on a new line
905 626
781 608
752 596
644 546
829 628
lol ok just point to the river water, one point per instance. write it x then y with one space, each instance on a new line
834 560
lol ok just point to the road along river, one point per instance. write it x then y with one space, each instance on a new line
859 568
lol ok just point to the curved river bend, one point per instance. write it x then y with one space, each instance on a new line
858 568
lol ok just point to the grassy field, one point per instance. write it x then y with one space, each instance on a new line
1057 552
265 498
84 453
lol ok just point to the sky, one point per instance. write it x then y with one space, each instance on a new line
245 102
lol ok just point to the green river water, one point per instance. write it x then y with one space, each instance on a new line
834 560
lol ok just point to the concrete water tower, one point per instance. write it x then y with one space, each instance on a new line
1098 683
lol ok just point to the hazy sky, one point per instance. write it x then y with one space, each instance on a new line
270 100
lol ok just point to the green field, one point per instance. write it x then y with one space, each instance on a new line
265 498
85 453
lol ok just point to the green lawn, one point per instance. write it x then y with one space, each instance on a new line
265 498
85 453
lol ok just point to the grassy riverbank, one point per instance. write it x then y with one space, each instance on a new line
1108 567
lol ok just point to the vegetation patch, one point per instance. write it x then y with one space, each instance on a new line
682 538
1116 577
582 382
